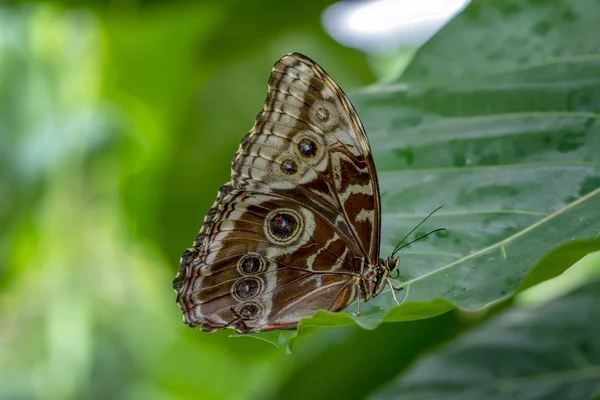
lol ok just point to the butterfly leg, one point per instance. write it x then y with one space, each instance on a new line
230 323
236 319
358 307
393 291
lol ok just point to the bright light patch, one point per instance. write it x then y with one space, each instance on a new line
385 25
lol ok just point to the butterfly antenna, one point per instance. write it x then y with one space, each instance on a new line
414 229
421 237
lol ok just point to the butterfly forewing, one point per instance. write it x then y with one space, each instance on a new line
283 238
309 144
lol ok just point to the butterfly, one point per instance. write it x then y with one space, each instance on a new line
298 227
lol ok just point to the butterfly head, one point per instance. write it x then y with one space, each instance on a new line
388 267
391 264
376 276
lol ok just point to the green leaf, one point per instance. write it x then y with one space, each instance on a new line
547 352
582 271
512 152
355 361
506 37
552 265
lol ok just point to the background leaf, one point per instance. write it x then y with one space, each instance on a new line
508 357
510 39
584 270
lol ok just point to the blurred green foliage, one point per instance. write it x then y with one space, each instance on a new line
117 124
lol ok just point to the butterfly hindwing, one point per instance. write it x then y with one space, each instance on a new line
262 252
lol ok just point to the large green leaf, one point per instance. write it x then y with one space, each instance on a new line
544 352
504 38
511 152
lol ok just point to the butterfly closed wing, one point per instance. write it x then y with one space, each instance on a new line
298 227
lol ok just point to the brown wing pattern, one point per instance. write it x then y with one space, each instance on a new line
304 104
267 258
282 239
